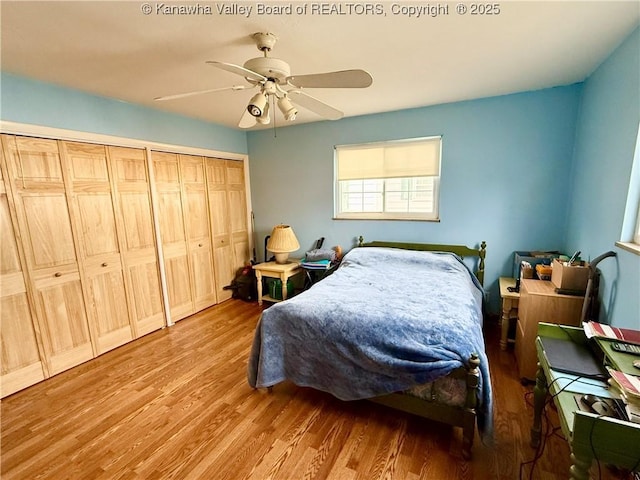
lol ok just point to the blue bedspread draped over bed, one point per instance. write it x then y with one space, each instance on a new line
385 321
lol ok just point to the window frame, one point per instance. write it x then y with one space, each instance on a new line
433 216
630 234
636 234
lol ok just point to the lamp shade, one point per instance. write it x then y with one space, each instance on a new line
282 242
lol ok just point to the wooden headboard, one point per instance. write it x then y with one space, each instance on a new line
459 250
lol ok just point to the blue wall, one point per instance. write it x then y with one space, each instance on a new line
506 164
29 101
542 170
604 150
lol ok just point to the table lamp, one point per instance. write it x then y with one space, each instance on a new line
282 242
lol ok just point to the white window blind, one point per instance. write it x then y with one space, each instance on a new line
388 180
392 160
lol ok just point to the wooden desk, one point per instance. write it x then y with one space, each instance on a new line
276 270
509 309
590 436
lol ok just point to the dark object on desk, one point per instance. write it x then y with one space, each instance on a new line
597 405
626 348
609 407
573 358
566 291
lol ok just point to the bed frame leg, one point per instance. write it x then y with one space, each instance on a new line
468 429
468 432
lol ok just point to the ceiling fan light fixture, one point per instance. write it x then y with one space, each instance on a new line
257 104
287 109
264 119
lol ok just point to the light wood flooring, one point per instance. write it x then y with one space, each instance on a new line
176 404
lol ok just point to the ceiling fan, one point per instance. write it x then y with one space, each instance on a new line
273 78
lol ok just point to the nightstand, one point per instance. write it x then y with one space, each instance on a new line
509 309
283 271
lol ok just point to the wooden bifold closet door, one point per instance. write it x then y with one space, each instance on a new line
80 264
228 210
133 199
98 244
194 194
35 175
185 232
112 210
81 277
20 357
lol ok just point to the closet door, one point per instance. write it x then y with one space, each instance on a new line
172 231
100 262
138 247
228 213
35 173
237 195
220 226
20 358
203 287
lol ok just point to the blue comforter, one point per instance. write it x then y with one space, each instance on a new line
383 322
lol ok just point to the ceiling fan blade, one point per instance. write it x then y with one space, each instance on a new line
311 103
340 79
199 92
238 70
247 120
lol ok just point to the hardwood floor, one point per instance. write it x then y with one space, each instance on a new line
176 404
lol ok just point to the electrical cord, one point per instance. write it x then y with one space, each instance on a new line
541 446
549 431
593 450
547 435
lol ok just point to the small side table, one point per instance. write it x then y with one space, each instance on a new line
283 271
510 302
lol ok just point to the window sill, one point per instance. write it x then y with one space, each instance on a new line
408 219
629 247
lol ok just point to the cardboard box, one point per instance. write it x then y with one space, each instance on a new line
574 277
534 258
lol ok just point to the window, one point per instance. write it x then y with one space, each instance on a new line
396 180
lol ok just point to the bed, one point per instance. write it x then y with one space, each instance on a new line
396 323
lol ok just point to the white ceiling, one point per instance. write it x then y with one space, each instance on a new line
112 49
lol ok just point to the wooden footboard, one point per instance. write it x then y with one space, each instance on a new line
464 416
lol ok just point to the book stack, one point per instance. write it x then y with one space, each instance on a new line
595 329
628 387
316 264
